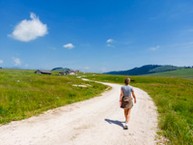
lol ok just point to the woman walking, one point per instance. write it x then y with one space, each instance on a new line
126 100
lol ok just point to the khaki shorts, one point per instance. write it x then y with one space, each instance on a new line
127 102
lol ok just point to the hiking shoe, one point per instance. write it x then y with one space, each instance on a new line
125 126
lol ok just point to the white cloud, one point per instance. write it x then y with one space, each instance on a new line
1 61
155 48
69 46
110 42
16 61
28 30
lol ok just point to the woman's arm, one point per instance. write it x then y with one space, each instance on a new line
133 94
121 96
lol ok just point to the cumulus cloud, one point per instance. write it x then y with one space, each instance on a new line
16 61
155 48
69 46
110 42
1 61
28 30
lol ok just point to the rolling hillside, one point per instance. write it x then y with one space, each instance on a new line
146 69
183 73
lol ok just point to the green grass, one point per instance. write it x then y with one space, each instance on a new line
183 73
173 98
24 94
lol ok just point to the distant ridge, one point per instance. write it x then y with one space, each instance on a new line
146 69
61 69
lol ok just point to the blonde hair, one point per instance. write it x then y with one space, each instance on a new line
127 81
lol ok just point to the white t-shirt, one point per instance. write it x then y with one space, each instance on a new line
127 90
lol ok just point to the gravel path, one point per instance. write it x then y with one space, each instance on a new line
97 121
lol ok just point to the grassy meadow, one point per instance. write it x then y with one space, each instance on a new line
182 73
174 100
24 94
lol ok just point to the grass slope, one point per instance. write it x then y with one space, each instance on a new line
183 73
173 98
24 94
146 69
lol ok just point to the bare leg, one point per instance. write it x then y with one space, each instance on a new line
127 113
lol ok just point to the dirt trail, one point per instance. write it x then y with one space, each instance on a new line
97 121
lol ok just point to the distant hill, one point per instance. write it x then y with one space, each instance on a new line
183 73
146 69
58 69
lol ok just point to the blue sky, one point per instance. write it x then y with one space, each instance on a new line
97 35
